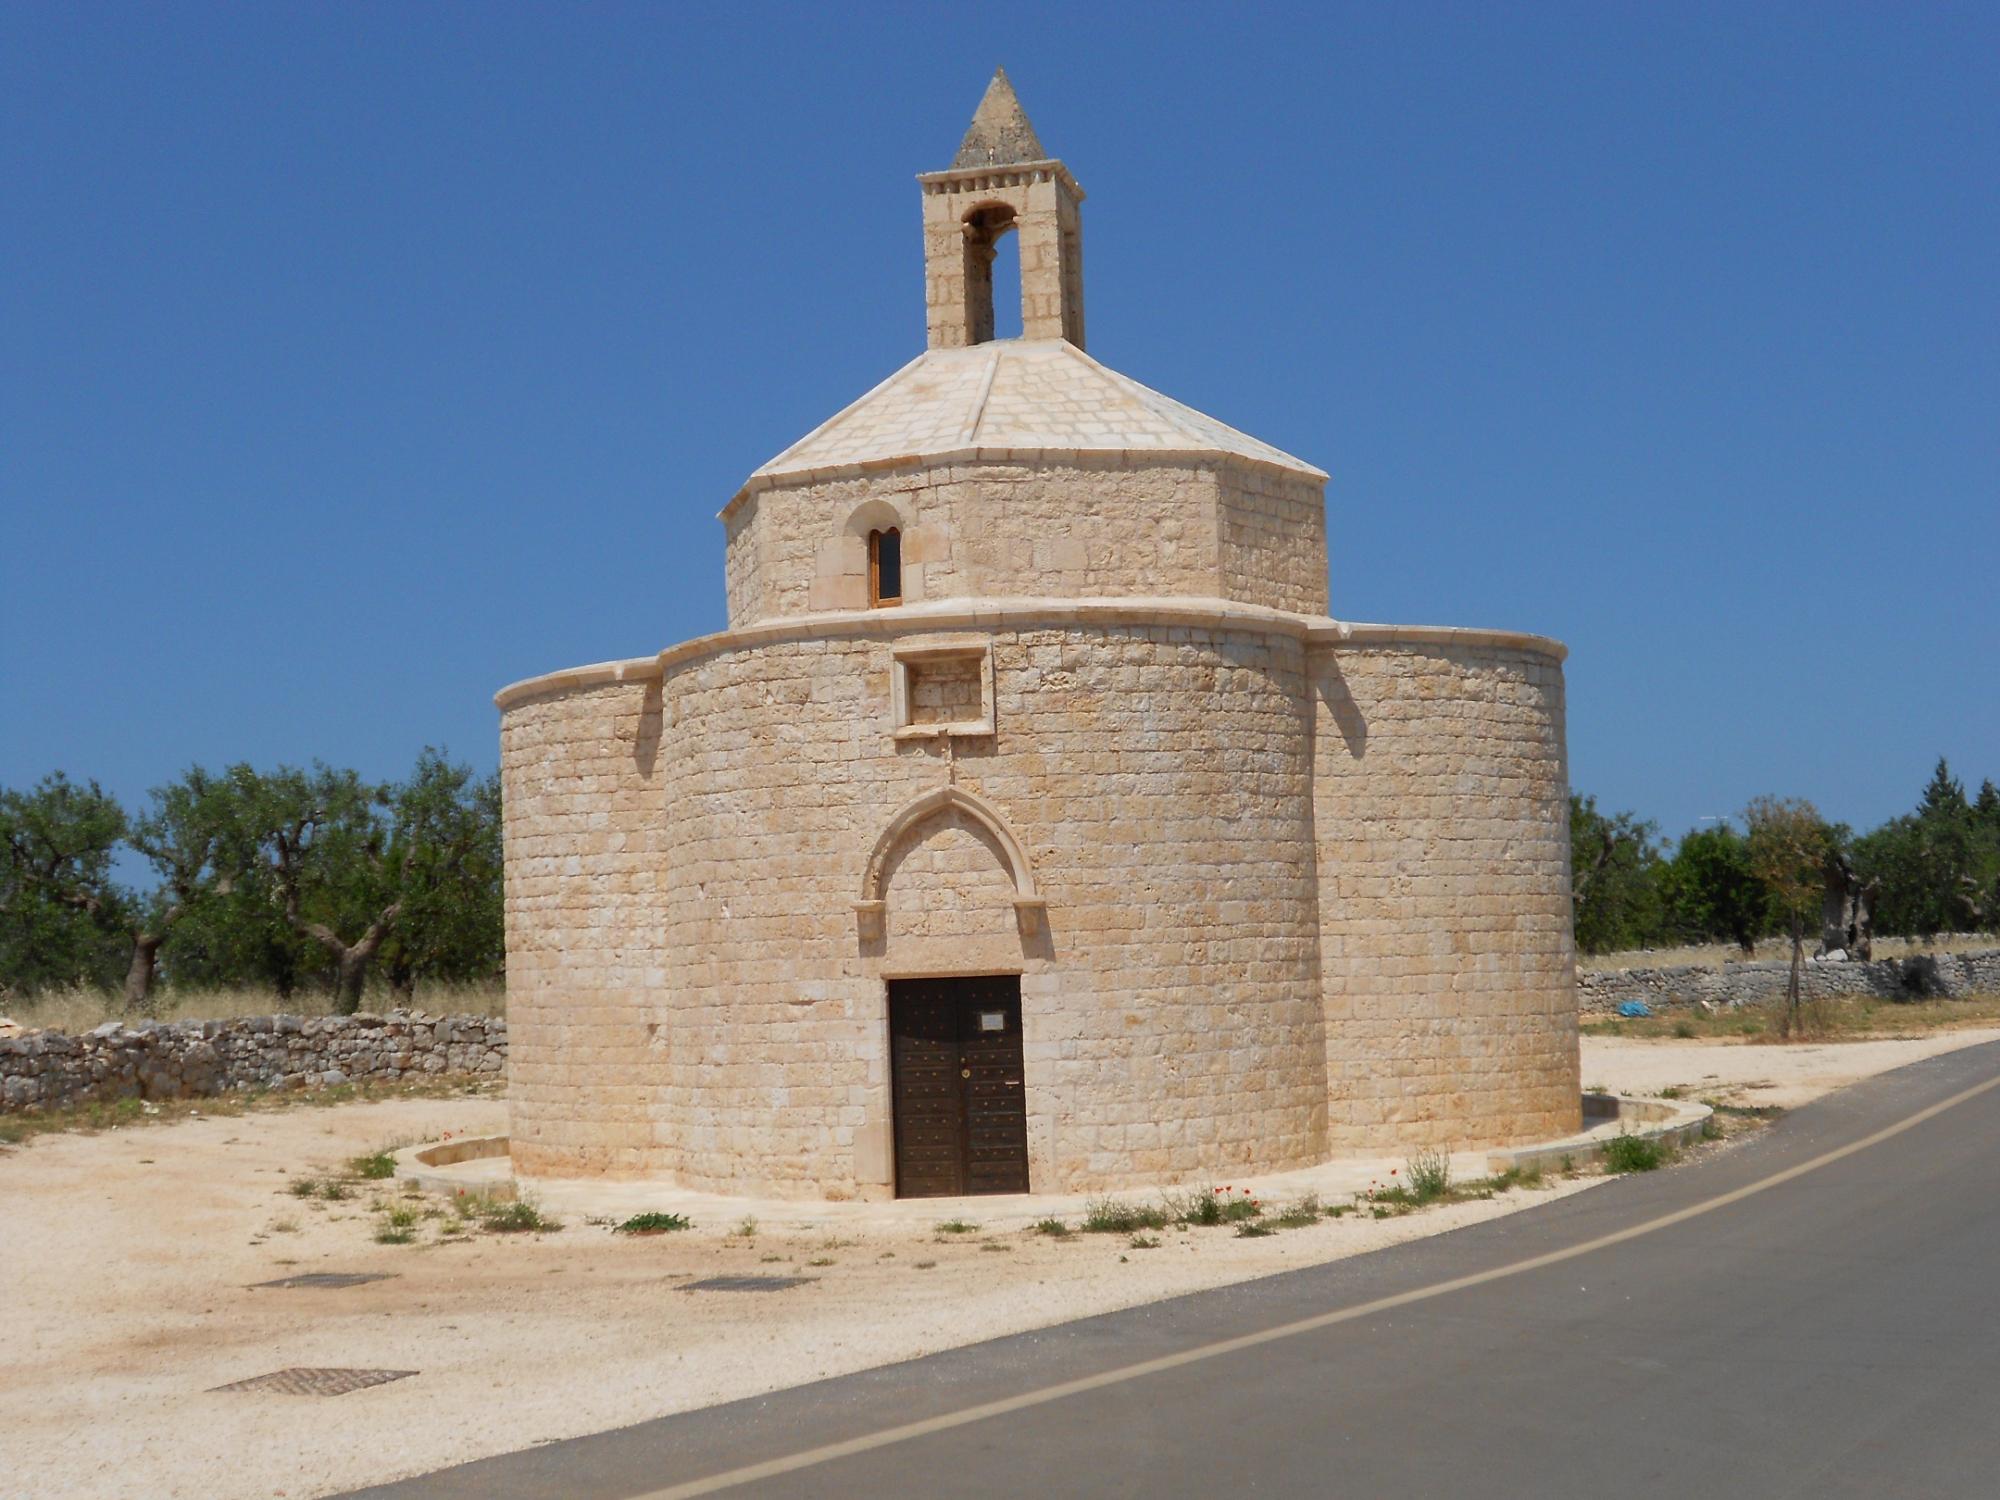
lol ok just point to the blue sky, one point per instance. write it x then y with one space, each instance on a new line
358 359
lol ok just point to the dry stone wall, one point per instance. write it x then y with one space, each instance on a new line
1921 976
195 1059
1442 816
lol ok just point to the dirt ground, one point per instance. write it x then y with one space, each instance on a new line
131 1257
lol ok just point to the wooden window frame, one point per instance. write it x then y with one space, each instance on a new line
876 598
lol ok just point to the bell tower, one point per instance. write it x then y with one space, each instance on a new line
1002 182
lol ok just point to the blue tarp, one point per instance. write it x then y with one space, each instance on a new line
1634 1009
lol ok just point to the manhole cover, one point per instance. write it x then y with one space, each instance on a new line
329 1278
311 1382
746 1283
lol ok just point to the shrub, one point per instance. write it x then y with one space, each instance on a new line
1300 1212
518 1217
1055 1229
1114 1216
1429 1175
746 1227
1632 1153
1209 1207
376 1166
1144 1242
1250 1229
653 1223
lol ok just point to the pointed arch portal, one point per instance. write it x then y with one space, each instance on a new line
873 905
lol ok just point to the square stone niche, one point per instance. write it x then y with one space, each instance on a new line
942 690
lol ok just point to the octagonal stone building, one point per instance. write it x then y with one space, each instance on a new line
1033 827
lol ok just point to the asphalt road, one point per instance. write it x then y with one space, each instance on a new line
1833 1332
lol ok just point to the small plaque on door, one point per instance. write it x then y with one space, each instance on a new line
993 1020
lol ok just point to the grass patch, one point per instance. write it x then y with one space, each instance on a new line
653 1223
1144 1242
957 1226
518 1217
376 1166
1251 1229
996 1247
1117 1216
746 1228
1055 1229
1632 1153
1299 1212
1212 1207
1428 1174
821 1260
330 1188
1847 1018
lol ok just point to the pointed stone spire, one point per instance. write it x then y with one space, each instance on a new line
1000 130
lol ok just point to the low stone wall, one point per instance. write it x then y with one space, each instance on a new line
195 1059
1926 975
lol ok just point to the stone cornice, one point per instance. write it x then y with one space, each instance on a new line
1126 458
1000 174
991 614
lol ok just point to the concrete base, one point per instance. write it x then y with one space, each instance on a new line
481 1167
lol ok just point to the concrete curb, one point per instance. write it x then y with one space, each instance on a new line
1670 1122
484 1168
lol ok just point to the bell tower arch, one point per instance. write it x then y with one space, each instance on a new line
1002 182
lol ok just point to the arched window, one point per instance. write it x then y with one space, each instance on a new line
885 567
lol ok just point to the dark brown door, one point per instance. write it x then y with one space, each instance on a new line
955 1061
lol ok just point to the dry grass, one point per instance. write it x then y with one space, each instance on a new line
1715 955
81 1009
1845 1020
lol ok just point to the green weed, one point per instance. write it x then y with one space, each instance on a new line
653 1223
1632 1153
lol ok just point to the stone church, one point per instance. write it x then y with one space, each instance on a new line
1033 826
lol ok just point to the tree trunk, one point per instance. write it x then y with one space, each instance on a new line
1792 985
139 974
352 976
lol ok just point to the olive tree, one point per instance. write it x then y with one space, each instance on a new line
1789 845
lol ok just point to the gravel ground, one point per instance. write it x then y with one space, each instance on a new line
131 1253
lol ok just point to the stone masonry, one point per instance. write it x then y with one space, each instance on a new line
1921 976
1276 885
196 1059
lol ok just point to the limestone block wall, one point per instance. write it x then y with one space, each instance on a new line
584 828
1271 530
1115 527
1441 812
1158 779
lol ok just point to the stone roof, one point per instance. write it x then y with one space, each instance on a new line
1000 133
1011 399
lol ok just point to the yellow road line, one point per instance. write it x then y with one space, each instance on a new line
827 1453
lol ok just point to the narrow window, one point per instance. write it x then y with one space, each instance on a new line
885 567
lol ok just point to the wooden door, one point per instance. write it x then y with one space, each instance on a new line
956 1079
